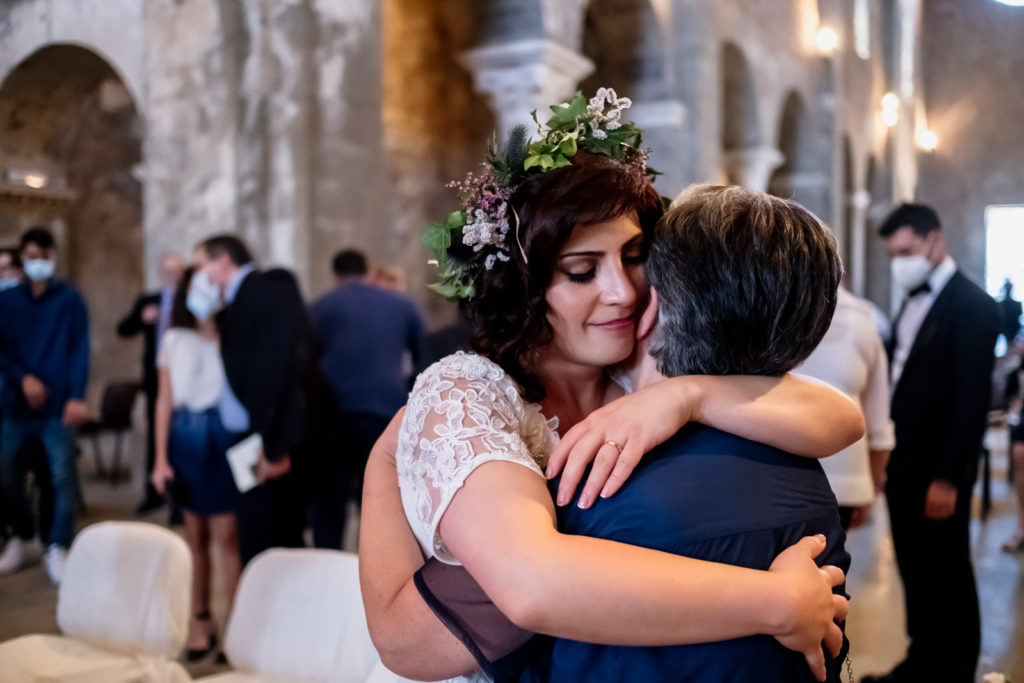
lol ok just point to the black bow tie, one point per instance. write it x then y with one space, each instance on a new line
923 288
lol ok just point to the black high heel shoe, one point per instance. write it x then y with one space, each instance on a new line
194 654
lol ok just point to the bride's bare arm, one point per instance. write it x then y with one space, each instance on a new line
501 527
793 413
411 641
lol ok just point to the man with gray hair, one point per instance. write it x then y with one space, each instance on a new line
745 285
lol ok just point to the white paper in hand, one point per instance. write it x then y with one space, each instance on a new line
242 457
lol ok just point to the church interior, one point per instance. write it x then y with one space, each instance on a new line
135 129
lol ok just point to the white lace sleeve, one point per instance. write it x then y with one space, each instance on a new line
463 412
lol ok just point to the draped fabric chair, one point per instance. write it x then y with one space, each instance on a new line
122 608
298 616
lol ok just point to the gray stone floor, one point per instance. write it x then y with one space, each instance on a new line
875 627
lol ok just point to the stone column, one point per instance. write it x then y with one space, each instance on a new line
662 122
860 200
524 76
752 166
811 189
530 59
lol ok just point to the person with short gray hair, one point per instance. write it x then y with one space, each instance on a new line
745 283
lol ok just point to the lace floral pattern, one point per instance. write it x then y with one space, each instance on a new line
463 412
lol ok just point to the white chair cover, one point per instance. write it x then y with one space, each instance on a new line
48 658
123 606
298 615
127 587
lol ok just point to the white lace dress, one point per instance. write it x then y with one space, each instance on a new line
463 412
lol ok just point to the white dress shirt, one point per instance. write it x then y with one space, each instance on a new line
851 358
915 310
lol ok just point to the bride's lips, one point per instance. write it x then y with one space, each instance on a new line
617 325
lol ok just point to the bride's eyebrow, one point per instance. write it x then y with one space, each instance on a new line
581 253
636 240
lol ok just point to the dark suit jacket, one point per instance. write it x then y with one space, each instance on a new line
713 496
132 324
265 344
940 404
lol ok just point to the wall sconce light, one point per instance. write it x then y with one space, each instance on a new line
890 109
928 140
35 180
827 41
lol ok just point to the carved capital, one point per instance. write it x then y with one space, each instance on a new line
525 75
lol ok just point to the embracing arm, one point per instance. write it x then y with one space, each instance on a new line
606 592
798 415
793 413
411 641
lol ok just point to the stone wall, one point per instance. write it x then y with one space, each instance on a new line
311 125
264 119
975 105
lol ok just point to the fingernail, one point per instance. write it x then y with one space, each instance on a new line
821 536
584 501
562 499
549 474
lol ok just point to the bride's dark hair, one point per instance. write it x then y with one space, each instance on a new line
509 309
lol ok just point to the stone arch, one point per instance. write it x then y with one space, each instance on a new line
86 24
795 144
741 125
876 261
746 159
625 41
66 115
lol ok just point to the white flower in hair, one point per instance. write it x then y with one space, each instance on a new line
486 229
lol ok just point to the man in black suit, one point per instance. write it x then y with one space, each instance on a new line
151 315
941 354
268 361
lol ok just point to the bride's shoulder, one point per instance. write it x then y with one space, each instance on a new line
465 366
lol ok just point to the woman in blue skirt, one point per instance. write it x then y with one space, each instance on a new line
191 444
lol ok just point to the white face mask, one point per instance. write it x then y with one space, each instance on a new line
8 282
203 297
910 271
39 269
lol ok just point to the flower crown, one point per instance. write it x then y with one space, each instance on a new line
482 223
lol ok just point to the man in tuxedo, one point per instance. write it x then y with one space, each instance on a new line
265 345
704 493
941 354
151 316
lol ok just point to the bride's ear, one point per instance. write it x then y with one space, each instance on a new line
649 318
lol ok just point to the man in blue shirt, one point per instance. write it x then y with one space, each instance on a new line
746 285
44 358
370 340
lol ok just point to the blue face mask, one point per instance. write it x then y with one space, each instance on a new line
8 282
39 269
203 297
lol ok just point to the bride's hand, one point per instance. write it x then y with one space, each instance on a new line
615 437
810 609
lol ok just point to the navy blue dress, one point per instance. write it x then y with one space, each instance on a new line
713 496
